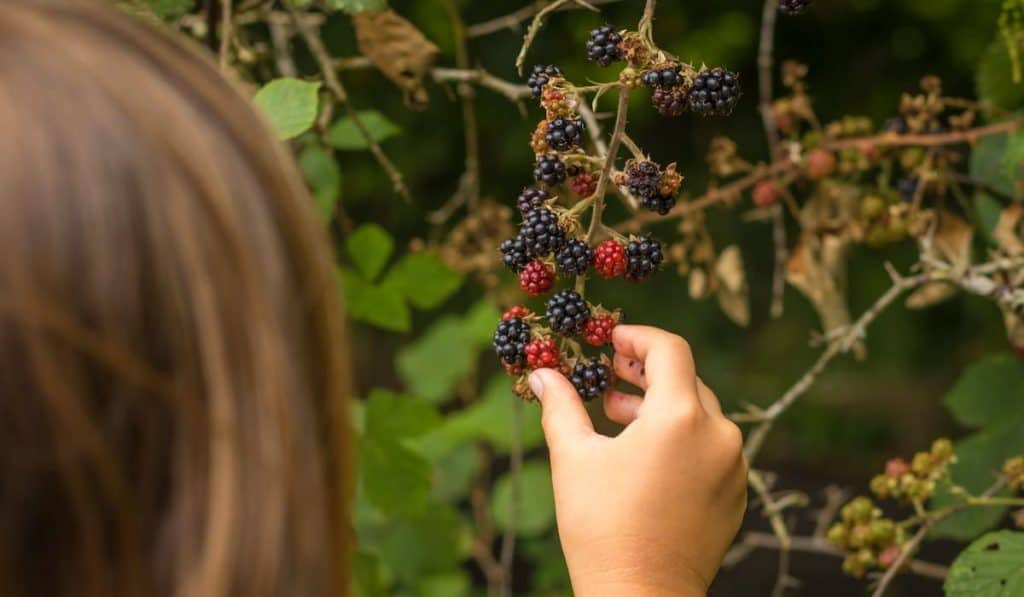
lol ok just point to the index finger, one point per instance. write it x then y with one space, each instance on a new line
668 361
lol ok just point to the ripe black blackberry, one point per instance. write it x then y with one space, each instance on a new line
794 7
643 258
541 76
567 312
671 102
663 77
907 188
549 169
591 378
660 204
541 232
603 45
715 92
531 198
574 258
514 254
564 134
510 340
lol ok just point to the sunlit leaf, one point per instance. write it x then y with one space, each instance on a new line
437 360
424 279
377 305
289 105
535 504
346 135
369 247
992 566
323 176
989 391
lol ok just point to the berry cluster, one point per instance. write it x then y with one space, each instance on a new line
794 7
915 481
871 541
550 243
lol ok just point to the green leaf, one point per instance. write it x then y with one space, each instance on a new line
346 136
986 164
989 391
979 458
490 419
289 105
1013 160
535 506
366 576
354 6
169 9
454 473
395 479
377 305
397 416
425 544
450 584
432 365
480 322
993 80
323 176
992 566
424 279
370 247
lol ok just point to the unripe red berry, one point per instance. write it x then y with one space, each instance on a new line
889 556
820 163
518 311
536 278
765 193
598 330
610 259
543 353
583 184
896 468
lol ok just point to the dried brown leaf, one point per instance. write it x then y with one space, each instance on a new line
398 49
733 293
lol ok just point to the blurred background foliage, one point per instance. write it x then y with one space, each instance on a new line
436 415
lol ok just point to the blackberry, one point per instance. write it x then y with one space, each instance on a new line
896 124
574 258
660 204
603 46
564 134
515 256
591 379
643 257
541 232
510 340
715 92
567 312
541 76
907 188
671 102
643 179
663 78
549 169
531 198
794 7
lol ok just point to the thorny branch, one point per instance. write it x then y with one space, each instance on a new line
334 85
513 19
538 21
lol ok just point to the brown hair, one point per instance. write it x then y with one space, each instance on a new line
172 367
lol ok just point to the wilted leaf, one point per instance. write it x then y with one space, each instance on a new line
992 566
398 49
1009 230
289 105
346 136
817 268
951 242
930 294
733 294
535 506
698 284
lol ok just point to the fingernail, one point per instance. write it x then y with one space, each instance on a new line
536 384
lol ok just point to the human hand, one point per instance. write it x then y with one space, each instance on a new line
653 510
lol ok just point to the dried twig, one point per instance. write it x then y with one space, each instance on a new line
224 55
512 20
538 21
333 83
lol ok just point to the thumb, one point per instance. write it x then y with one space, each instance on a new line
563 417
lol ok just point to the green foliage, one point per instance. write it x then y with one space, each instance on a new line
989 396
993 566
169 9
994 83
419 279
354 6
345 135
535 504
323 176
987 164
289 105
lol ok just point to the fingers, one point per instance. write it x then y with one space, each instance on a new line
563 418
668 364
621 407
708 398
630 370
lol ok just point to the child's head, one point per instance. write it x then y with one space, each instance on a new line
172 370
